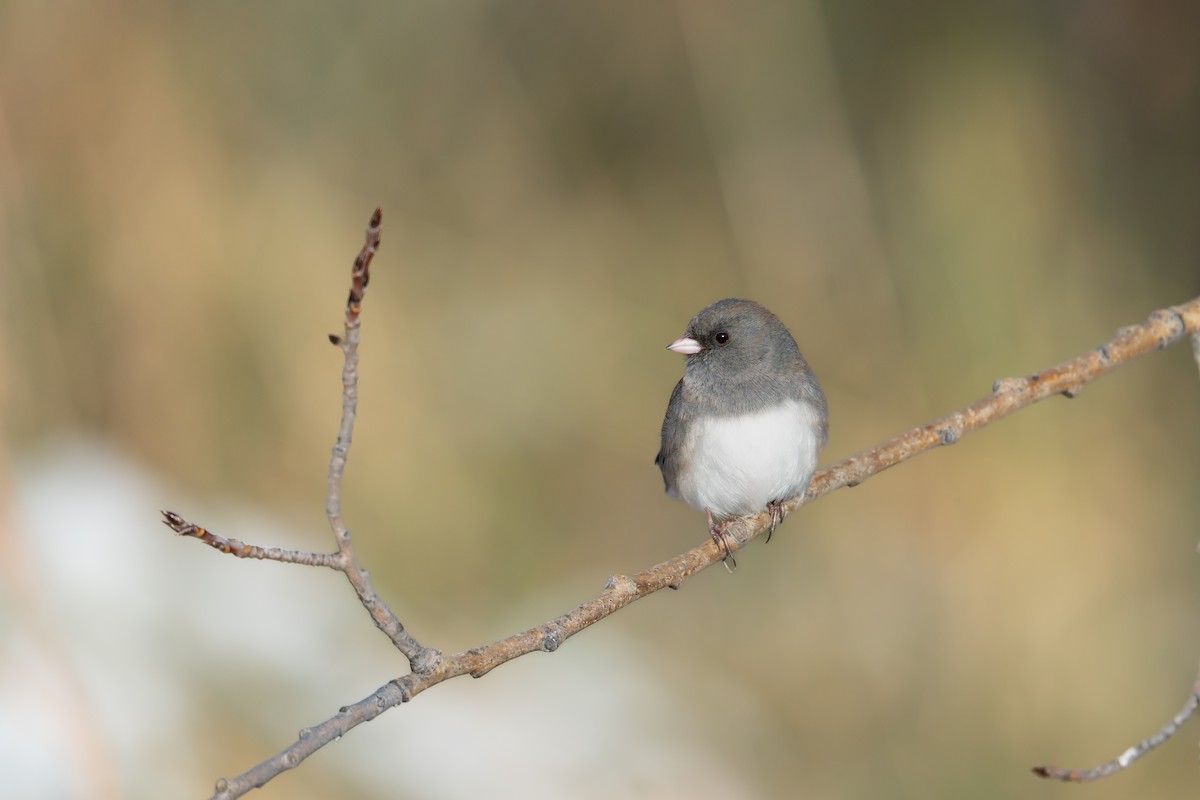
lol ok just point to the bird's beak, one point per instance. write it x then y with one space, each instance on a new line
685 346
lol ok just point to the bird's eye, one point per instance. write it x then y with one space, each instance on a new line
722 337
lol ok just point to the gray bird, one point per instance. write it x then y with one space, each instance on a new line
747 421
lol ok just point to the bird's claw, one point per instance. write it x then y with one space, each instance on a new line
775 507
717 531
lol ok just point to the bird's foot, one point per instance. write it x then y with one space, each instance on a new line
717 531
775 507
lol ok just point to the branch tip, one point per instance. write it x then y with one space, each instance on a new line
173 521
1132 754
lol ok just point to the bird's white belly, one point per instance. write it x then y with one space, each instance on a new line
736 465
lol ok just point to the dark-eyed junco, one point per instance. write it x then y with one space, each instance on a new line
747 421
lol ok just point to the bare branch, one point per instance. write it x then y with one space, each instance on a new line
348 343
1131 755
420 659
236 547
1163 328
314 738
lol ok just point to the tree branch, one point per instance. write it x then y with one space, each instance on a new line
1131 755
236 547
429 667
420 658
1164 327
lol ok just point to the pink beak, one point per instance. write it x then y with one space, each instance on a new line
685 346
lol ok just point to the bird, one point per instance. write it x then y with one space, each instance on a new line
746 423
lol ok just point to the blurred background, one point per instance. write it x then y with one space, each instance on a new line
931 196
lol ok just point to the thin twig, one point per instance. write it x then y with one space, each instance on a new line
1160 736
1131 755
420 658
429 667
236 547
